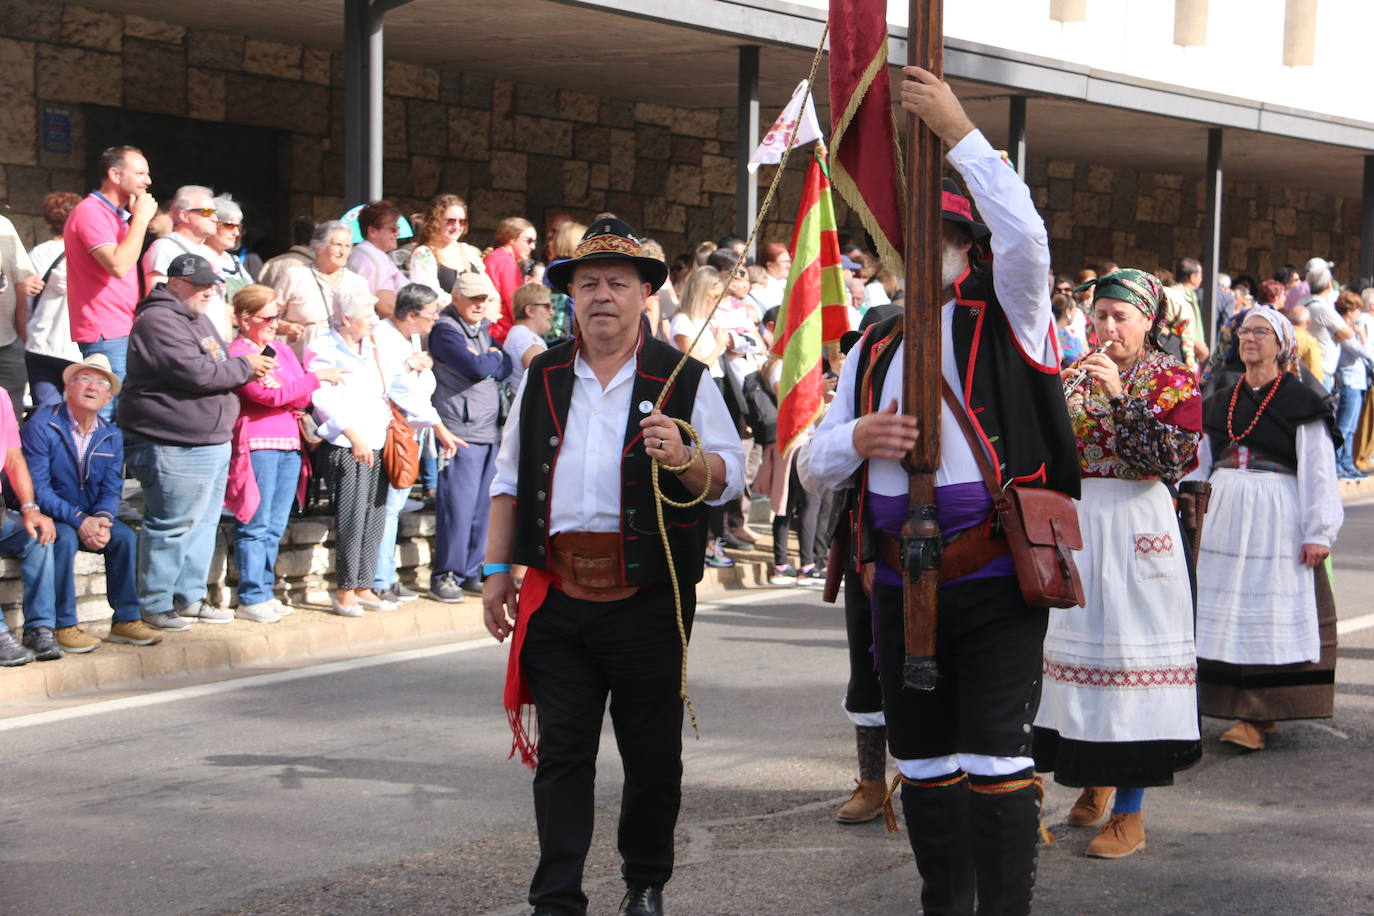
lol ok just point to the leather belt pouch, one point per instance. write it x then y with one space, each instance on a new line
963 555
588 559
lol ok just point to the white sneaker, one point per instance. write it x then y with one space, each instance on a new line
262 612
282 609
206 613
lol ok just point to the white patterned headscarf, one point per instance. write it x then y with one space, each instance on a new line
1283 329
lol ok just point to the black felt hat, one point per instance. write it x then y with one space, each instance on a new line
608 239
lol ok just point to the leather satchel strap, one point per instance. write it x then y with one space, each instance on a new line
984 465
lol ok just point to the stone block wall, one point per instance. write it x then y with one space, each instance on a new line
1096 213
304 567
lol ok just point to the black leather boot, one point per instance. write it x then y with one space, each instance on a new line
937 824
1005 816
641 900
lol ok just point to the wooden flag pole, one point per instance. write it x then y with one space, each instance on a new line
921 544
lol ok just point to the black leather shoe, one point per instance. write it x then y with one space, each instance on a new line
641 900
42 644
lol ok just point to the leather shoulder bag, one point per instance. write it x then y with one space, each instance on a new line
1041 528
401 453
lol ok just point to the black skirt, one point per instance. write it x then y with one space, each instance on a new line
1081 764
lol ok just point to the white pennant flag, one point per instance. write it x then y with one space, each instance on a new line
797 123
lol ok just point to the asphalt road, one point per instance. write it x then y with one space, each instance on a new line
382 787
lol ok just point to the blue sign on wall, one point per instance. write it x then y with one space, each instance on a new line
57 129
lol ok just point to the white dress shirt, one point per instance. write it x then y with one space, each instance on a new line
586 477
1021 255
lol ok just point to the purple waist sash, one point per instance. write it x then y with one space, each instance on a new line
958 507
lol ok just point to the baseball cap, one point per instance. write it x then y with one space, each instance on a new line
471 285
194 269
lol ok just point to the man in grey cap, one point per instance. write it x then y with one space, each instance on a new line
177 412
468 367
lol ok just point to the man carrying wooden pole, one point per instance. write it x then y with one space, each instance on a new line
961 686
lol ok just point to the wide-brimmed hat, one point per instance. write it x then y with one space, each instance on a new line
100 363
955 208
608 240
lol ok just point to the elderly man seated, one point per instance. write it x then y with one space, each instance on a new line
77 463
28 535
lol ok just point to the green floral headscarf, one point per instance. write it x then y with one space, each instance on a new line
1140 289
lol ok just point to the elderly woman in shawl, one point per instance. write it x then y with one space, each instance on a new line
1118 709
1266 623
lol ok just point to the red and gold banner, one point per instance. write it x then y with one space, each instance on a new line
865 160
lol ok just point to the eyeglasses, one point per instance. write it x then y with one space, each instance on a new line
99 381
266 319
1256 333
528 239
463 221
203 211
230 225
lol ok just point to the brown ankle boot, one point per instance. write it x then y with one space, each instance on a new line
865 804
1091 807
1249 735
1121 836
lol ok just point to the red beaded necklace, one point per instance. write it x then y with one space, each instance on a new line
1231 411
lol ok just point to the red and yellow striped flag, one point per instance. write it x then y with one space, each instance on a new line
813 311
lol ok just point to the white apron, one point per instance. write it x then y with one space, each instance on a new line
1256 603
1124 668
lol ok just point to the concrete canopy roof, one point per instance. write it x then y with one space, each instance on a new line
684 53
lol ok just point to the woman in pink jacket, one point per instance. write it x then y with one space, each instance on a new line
266 472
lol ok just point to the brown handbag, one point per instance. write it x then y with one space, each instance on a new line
1041 528
401 452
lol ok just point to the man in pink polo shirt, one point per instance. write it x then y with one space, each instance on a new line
103 238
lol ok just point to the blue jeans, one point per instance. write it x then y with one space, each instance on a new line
183 492
116 350
1347 421
429 462
35 570
121 581
385 576
255 544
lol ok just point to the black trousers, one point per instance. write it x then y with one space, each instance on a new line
803 510
864 693
576 654
989 652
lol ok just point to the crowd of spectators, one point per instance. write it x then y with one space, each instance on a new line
151 349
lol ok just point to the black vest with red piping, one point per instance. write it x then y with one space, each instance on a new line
549 382
1016 403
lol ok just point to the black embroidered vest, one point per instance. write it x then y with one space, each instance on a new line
1016 405
543 416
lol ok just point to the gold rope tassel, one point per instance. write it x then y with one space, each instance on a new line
659 498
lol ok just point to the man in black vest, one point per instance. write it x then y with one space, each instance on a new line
964 748
573 478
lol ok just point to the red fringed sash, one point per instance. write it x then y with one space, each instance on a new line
519 705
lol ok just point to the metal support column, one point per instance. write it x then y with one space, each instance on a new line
746 184
363 74
1211 236
357 50
1367 220
1016 134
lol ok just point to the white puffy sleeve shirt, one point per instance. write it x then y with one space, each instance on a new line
586 478
1021 259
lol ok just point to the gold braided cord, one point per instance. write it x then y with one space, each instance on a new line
692 434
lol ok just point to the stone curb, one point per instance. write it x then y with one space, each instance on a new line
206 650
1356 490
